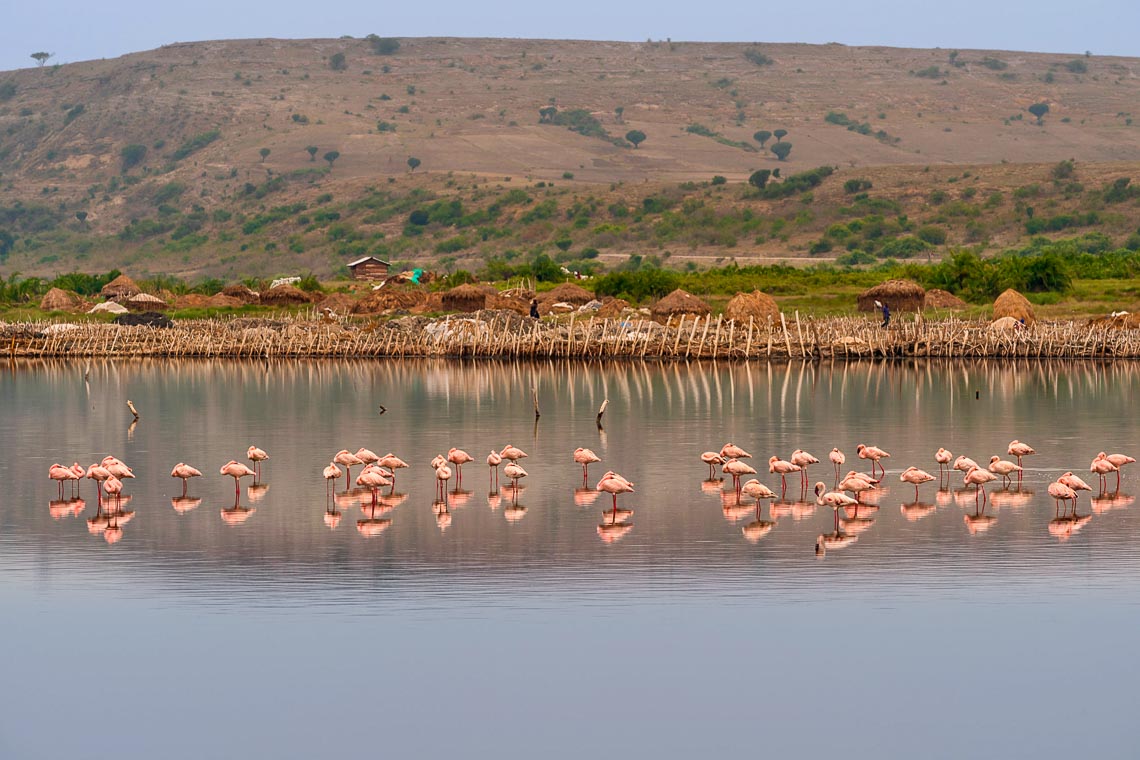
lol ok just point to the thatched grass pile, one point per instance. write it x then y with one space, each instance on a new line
120 288
1013 304
466 298
339 303
941 299
757 306
285 295
898 295
389 298
679 302
57 299
241 293
612 307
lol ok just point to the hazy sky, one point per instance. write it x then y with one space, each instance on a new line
77 31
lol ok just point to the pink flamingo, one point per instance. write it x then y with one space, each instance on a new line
874 453
964 464
236 470
1074 482
1061 492
915 477
494 459
779 466
585 457
514 472
117 468
943 457
838 459
1101 466
857 483
978 477
348 460
613 484
391 462
512 453
366 456
185 472
713 460
1003 467
732 451
459 457
833 499
372 479
1117 459
736 468
331 473
803 460
757 491
99 474
79 472
257 456
113 486
59 473
1019 450
442 475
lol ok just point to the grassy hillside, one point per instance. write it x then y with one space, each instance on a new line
192 159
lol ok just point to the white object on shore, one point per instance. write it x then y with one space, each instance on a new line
108 307
284 281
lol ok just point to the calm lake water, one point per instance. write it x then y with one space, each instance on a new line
507 627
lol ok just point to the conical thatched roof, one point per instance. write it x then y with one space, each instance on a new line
145 302
1013 304
59 300
390 297
284 295
679 302
940 299
464 298
568 292
119 288
240 292
898 295
758 306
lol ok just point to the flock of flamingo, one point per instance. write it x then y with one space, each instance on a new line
380 472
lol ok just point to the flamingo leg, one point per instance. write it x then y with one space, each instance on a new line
916 492
836 511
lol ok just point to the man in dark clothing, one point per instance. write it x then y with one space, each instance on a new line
534 307
886 313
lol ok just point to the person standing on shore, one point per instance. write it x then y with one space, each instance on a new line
534 307
886 313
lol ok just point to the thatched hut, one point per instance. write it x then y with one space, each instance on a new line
679 302
612 307
500 302
145 302
899 295
284 295
940 299
756 305
241 293
57 299
389 298
1013 304
120 289
569 293
464 298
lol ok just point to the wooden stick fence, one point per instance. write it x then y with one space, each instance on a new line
510 336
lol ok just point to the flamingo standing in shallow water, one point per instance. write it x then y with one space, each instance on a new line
1003 467
874 453
857 483
1101 466
442 475
712 459
1061 492
943 457
494 459
1119 460
838 459
978 477
833 499
98 473
391 462
459 457
613 484
803 460
257 456
757 491
330 474
783 469
348 460
736 468
373 479
964 464
184 472
1074 482
915 477
514 472
59 474
236 470
585 457
1019 450
732 451
512 453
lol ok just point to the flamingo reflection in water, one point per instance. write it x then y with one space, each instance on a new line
61 508
109 521
615 525
184 504
1108 502
979 522
442 514
237 514
372 525
256 491
917 510
1011 498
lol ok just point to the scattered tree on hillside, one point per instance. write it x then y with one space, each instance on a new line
618 113
762 137
755 56
1039 110
782 149
264 154
635 136
1077 66
81 216
546 115
312 150
331 156
132 155
383 45
780 134
413 162
337 62
41 57
759 178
